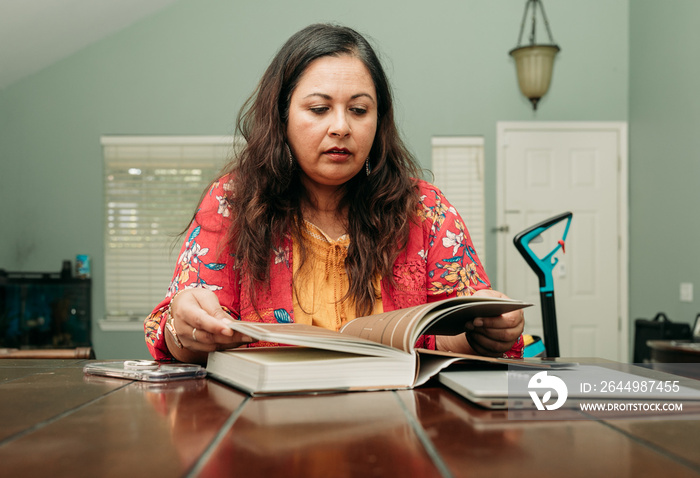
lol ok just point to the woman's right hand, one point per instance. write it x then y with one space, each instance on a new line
201 325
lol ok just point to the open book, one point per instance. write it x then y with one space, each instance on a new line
368 353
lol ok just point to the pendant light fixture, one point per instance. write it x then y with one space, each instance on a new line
534 62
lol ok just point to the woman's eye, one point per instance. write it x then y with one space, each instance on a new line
358 111
319 109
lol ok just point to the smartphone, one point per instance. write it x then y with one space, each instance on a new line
145 370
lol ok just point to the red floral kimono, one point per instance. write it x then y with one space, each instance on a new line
439 262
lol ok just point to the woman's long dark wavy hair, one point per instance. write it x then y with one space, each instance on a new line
267 192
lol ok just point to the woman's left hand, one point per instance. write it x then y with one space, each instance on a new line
493 336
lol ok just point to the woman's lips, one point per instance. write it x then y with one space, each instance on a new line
337 154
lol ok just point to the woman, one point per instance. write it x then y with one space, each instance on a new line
320 219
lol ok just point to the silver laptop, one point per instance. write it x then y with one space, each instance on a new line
488 388
513 389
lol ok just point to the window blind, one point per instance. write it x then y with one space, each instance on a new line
151 186
458 169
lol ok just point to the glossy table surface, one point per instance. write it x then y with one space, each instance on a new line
54 421
674 351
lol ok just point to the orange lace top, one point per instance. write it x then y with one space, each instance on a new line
320 300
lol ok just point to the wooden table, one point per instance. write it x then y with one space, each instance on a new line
54 421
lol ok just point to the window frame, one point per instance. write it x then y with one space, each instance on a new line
461 158
161 153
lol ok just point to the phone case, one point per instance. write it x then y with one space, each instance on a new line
145 370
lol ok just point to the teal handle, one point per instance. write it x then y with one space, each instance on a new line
543 266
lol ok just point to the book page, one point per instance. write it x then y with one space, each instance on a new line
451 321
312 336
391 328
401 328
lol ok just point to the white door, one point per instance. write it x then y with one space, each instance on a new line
548 168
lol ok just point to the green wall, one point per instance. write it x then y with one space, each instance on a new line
664 120
187 70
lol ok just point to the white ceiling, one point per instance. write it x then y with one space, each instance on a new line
37 33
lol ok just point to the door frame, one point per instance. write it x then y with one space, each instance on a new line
618 127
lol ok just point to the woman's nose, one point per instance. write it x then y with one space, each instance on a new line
339 125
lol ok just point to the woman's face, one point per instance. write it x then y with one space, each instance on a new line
332 121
